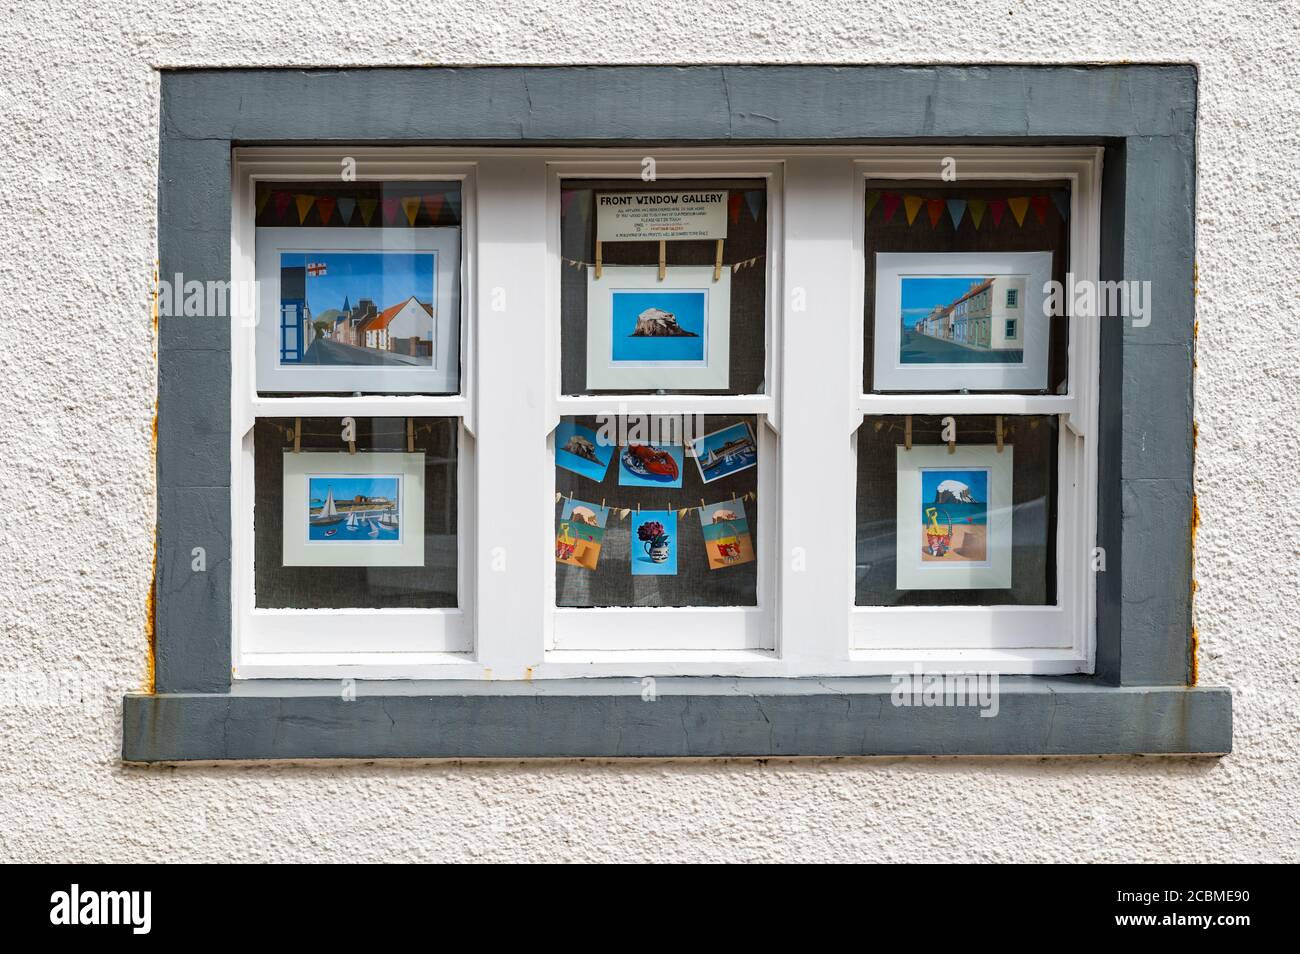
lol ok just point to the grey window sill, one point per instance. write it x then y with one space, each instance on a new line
688 718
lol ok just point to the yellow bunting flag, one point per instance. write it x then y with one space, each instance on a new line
1019 206
977 207
912 203
411 206
304 203
367 207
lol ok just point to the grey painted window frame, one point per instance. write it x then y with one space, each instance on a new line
1138 700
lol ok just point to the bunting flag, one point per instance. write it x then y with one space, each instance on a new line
453 203
433 205
873 196
734 202
411 206
304 203
390 207
1039 204
890 206
912 205
997 209
754 199
282 200
325 206
566 201
934 209
1019 206
347 206
956 209
367 207
977 207
1061 200
263 197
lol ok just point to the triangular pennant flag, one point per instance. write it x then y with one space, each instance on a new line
433 203
411 206
346 207
304 203
934 209
754 199
734 202
873 196
977 207
566 200
325 206
956 209
912 205
367 207
997 209
262 198
390 207
890 200
1039 204
1061 199
281 201
453 203
1019 206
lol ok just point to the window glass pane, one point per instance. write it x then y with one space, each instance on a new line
371 529
969 528
636 523
358 287
954 298
630 330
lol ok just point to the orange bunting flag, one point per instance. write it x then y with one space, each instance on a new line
734 202
304 203
411 206
977 207
325 206
934 208
1019 206
912 205
433 205
1039 205
367 207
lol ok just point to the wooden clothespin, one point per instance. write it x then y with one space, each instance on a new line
297 434
717 262
998 426
907 433
598 259
410 435
663 259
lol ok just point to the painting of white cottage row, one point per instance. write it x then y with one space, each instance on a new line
357 308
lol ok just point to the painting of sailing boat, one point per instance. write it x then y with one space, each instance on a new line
725 452
354 509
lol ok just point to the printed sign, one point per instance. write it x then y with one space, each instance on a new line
661 216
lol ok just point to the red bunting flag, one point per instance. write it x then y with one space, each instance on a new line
281 200
889 202
325 206
391 207
734 202
934 209
1039 204
997 209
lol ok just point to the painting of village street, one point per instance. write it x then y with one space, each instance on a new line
963 320
357 308
354 509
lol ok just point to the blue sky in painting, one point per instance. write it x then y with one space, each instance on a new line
976 480
387 278
346 488
921 295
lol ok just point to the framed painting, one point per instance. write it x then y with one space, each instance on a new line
961 321
364 509
348 310
647 334
954 517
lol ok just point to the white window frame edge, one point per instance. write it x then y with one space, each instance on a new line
1006 639
319 643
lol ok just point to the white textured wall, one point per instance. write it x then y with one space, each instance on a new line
78 130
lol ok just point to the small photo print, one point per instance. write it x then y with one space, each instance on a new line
725 452
954 515
726 534
581 533
651 465
352 509
968 319
658 327
579 449
654 543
